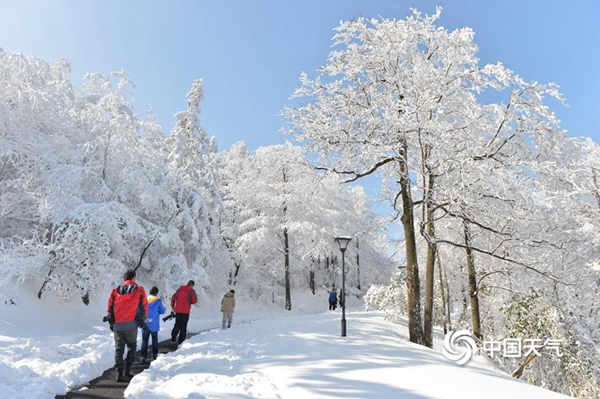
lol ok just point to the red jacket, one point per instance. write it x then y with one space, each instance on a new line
183 299
126 302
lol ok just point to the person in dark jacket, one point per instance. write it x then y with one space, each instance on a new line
128 306
227 306
341 299
181 303
332 298
155 309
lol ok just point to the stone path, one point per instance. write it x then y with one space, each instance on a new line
105 386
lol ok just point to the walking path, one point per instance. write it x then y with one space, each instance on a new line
105 386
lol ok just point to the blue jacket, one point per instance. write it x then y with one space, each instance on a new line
155 309
332 296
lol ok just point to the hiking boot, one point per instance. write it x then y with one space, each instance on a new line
128 374
143 360
119 375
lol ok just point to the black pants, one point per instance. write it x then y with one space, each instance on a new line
122 338
180 327
332 305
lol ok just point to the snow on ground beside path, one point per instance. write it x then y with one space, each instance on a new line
47 348
305 357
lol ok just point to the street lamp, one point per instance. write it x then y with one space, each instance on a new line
343 243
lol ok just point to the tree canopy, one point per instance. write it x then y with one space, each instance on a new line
485 184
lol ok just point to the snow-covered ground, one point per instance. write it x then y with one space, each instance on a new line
47 348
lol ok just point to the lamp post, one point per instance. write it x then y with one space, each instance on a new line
343 243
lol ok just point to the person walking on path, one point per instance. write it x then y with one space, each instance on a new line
332 298
341 299
128 307
155 309
181 303
227 306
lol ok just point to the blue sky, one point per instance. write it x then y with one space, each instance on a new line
250 53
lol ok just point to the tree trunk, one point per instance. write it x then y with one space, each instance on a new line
464 296
232 276
357 266
429 268
445 297
518 373
415 327
286 254
596 186
312 281
473 294
105 163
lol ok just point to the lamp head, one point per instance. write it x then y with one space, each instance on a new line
343 242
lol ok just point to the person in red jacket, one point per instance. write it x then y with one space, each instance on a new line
128 306
182 302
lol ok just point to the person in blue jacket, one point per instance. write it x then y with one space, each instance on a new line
155 309
332 298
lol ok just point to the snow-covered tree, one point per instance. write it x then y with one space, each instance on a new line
88 192
275 194
192 157
401 98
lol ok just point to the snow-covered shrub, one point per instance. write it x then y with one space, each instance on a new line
389 298
566 369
